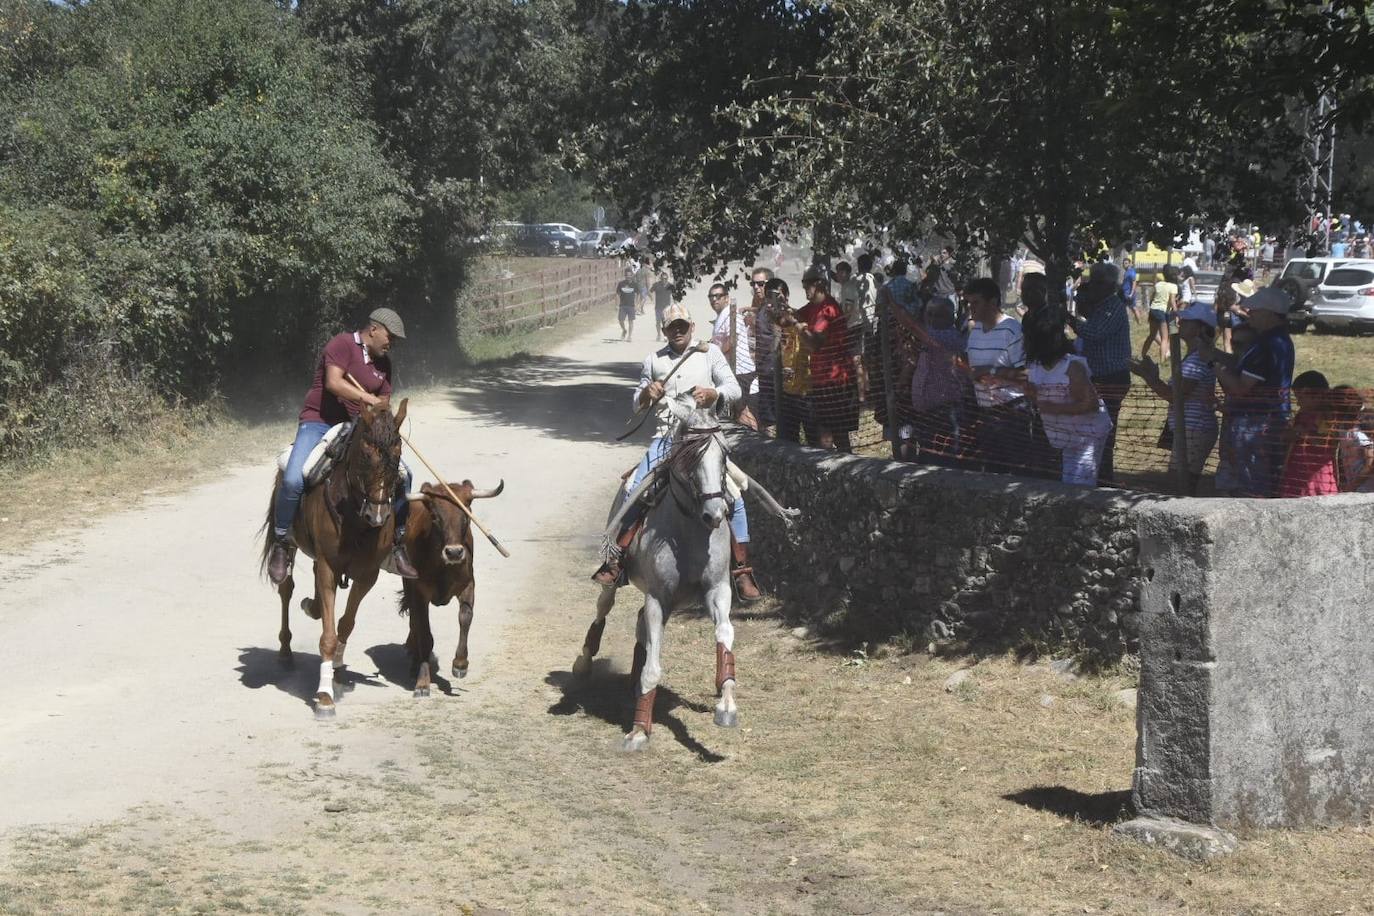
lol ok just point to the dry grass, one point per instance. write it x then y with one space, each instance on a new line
176 449
856 784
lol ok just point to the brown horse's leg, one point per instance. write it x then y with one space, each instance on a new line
287 586
465 603
350 617
329 638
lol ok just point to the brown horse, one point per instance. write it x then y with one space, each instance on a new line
346 525
439 542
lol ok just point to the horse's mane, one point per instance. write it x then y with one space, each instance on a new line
383 431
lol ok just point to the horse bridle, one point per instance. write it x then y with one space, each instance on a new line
367 501
686 452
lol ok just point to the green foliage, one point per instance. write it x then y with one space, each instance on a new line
186 184
992 122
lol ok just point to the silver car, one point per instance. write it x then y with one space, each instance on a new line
1345 298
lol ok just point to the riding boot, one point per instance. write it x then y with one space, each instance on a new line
745 586
280 560
400 561
612 572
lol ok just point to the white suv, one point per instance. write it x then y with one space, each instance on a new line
1345 297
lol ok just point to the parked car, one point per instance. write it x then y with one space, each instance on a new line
1205 284
567 229
1300 279
596 243
544 241
1345 298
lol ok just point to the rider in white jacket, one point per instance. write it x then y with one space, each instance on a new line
707 375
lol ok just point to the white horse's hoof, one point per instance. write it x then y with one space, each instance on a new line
635 741
421 692
582 666
727 718
324 710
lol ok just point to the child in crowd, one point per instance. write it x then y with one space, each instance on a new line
1197 323
1058 383
1312 440
1356 448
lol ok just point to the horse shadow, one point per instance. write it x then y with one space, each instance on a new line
261 667
605 694
393 664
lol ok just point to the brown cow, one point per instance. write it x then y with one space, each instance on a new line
439 542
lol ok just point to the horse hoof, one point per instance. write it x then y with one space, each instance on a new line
309 606
421 692
582 666
727 718
635 741
324 708
460 673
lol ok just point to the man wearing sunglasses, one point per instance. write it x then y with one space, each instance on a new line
707 376
737 347
763 346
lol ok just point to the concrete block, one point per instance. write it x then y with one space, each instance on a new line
1179 837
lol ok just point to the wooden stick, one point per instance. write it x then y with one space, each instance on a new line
440 479
644 412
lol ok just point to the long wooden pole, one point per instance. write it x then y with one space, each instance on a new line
439 477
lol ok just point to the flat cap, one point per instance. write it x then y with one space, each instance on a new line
388 319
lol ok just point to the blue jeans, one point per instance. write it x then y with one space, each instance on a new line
308 435
658 450
1256 452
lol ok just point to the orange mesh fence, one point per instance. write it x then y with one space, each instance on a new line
882 391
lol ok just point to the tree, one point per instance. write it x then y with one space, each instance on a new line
233 203
472 99
992 122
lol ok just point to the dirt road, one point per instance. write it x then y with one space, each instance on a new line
154 756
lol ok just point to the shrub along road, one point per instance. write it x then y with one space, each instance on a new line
154 756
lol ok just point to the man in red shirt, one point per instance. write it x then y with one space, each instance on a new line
834 396
331 400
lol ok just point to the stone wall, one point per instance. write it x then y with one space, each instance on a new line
1001 562
1252 619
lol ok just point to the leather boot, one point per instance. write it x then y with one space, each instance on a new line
400 560
745 587
280 560
612 571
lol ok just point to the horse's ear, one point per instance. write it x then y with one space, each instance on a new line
401 411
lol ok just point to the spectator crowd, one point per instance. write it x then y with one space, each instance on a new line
956 378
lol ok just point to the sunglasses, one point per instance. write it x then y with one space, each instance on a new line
678 327
758 282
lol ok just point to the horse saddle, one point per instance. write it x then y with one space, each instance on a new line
322 457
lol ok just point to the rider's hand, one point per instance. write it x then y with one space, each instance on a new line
705 397
654 391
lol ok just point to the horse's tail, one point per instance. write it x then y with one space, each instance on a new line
265 532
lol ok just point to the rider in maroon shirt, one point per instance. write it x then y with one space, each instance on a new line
332 399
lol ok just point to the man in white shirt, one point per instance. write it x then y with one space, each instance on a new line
707 375
1007 442
738 348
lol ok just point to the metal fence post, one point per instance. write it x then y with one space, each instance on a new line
889 389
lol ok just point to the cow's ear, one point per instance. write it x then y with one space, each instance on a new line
427 489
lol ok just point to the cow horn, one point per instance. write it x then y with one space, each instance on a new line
489 494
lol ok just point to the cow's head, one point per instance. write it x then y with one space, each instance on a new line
452 529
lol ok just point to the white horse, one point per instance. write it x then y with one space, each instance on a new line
680 559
